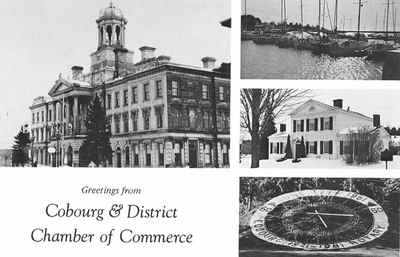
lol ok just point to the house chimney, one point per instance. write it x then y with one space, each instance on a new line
377 120
77 72
338 103
208 62
282 128
163 59
147 52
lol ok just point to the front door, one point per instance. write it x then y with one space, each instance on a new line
192 154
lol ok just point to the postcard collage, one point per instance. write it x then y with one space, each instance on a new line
251 128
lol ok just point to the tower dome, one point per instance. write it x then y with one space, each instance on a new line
111 27
110 13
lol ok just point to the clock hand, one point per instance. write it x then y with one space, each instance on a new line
330 214
323 222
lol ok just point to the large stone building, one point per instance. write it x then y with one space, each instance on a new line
325 130
162 114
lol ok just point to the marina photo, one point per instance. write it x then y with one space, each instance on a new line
320 39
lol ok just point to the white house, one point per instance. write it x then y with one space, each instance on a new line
324 129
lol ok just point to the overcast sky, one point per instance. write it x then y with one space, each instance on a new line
41 38
269 10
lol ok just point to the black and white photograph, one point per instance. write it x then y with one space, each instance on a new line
304 128
320 39
293 216
115 84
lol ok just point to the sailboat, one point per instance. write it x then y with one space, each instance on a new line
350 48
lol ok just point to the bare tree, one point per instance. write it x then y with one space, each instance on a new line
260 108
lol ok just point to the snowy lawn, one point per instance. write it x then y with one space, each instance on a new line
318 163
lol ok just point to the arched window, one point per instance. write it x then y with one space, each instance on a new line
118 31
109 33
127 155
119 163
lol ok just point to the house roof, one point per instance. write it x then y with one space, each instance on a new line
329 107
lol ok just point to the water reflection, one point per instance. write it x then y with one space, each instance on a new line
272 62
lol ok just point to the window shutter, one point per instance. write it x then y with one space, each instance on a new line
277 147
307 147
321 147
316 124
307 125
315 147
294 126
331 123
271 147
330 147
322 124
341 147
302 125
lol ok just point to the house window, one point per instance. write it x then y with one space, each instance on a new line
299 125
159 117
311 125
108 101
327 124
326 147
221 94
134 95
207 154
125 119
158 88
313 147
125 97
148 155
116 95
177 151
204 92
146 92
134 117
175 88
146 119
160 154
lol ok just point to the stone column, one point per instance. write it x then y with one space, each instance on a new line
113 34
54 112
67 120
75 114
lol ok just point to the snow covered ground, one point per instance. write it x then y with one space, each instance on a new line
318 163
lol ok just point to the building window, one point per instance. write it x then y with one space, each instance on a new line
148 155
127 157
192 118
134 95
117 118
221 94
204 92
206 120
225 155
134 117
136 156
160 154
327 124
177 151
146 92
116 100
207 154
159 117
299 125
108 101
126 97
313 147
125 119
326 147
175 89
158 88
146 119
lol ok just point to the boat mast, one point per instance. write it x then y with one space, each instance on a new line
319 19
387 19
245 15
359 19
301 10
284 12
336 16
323 15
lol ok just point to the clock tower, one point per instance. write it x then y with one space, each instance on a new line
111 59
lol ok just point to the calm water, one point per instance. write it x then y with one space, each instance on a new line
272 62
